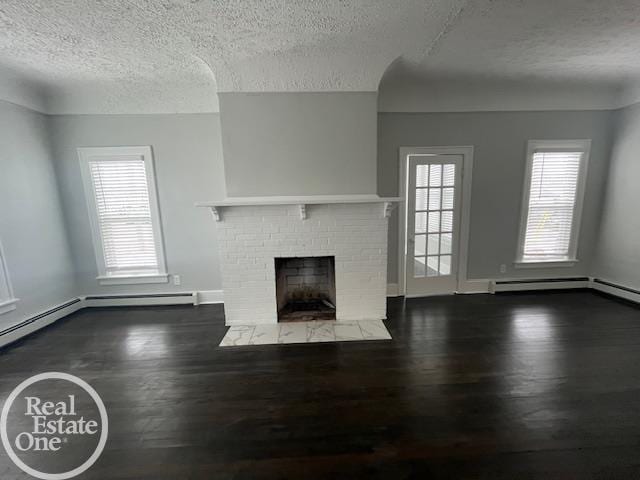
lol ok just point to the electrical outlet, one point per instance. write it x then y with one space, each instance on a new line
177 280
503 268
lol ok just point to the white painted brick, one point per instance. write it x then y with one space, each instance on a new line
252 236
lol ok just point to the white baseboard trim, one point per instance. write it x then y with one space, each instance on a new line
474 286
465 287
519 285
141 299
40 320
201 297
619 291
207 297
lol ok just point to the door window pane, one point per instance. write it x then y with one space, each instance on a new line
418 267
434 222
421 199
432 266
421 222
447 198
434 198
435 175
449 175
422 175
445 265
433 244
420 245
447 221
445 243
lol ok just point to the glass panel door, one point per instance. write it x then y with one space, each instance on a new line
432 223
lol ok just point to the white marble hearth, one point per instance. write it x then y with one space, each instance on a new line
305 332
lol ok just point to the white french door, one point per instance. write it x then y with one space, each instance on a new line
432 236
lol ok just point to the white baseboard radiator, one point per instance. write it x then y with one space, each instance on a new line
182 298
41 320
38 317
619 291
498 286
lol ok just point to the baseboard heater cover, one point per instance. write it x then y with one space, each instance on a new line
616 290
179 298
28 326
539 284
40 316
151 295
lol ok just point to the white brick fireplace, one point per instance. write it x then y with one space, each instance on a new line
253 232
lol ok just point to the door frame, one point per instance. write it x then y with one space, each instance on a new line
465 212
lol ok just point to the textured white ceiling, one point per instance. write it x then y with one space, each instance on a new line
525 55
588 40
80 48
172 55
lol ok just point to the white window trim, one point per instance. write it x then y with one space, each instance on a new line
133 279
532 146
84 154
7 304
546 264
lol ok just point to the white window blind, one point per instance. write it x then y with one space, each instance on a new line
551 211
124 215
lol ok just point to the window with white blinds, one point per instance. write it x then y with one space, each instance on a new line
553 200
120 188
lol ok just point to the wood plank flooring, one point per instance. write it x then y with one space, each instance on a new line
512 386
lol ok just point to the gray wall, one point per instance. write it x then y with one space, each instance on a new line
188 163
500 141
31 219
299 143
618 256
189 167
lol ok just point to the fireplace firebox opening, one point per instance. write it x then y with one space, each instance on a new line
305 288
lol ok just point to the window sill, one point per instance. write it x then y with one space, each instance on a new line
133 279
546 264
8 305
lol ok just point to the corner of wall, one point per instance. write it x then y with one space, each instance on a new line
19 90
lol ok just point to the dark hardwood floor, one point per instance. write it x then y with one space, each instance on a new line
495 387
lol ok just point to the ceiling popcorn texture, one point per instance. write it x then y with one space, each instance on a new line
138 47
587 40
173 55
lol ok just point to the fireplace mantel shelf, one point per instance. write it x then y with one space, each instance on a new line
302 202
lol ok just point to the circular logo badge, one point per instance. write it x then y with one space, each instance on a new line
54 426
